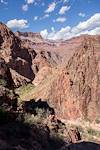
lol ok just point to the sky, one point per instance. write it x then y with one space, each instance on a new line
54 19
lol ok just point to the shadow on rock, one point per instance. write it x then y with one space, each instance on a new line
82 146
30 106
17 135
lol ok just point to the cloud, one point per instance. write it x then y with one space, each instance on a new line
60 19
35 18
45 16
95 31
81 14
3 2
25 7
44 34
41 18
53 35
64 9
20 24
51 8
90 26
53 29
30 1
91 23
65 1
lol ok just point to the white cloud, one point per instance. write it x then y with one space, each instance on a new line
52 29
81 14
51 8
30 1
60 19
27 3
44 17
35 18
25 7
64 9
91 23
20 24
95 31
53 35
4 2
65 1
91 27
44 33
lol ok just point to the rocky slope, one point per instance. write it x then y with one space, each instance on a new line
20 54
33 126
78 84
72 87
41 81
65 73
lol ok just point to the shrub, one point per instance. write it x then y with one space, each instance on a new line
3 82
93 132
3 115
97 121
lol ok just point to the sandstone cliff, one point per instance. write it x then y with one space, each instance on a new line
42 84
65 73
72 87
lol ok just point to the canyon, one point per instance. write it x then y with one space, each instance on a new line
65 74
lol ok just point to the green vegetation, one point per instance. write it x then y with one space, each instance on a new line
93 132
86 132
24 90
3 115
97 121
3 82
40 116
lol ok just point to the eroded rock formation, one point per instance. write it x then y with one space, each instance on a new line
65 73
65 78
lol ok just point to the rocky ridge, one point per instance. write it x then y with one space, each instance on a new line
34 124
63 74
70 68
75 82
30 125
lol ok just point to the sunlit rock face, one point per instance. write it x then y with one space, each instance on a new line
65 73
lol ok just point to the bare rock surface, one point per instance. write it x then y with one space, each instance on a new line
65 73
63 79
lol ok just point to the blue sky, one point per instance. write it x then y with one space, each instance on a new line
48 16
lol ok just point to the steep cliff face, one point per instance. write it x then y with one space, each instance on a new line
5 75
32 125
84 73
8 98
65 73
17 57
73 89
33 37
7 38
78 86
20 55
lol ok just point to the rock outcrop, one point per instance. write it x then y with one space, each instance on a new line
17 57
21 56
73 88
75 91
63 85
65 73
